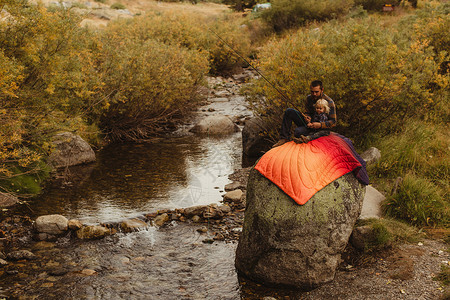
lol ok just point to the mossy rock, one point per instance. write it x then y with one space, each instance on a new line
284 243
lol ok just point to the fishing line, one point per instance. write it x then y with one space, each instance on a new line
286 98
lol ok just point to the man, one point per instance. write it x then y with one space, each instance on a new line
303 121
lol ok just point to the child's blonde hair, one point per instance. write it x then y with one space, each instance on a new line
323 103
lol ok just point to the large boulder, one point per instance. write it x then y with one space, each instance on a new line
215 125
284 243
70 150
254 141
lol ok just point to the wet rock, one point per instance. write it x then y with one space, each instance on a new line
133 225
88 272
233 196
70 150
20 254
51 224
232 186
219 237
215 125
3 262
254 140
196 219
202 229
225 209
92 232
74 224
46 237
189 212
160 220
43 245
371 155
212 211
296 245
7 200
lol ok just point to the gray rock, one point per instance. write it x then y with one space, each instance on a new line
51 224
233 186
215 125
254 141
92 232
284 243
70 150
372 203
233 196
371 155
20 254
7 200
189 212
133 225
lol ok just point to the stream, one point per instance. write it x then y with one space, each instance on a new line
129 180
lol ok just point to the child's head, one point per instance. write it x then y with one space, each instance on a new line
321 106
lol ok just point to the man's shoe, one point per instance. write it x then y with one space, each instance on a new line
297 140
305 139
279 143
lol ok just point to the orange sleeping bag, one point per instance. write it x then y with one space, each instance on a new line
301 170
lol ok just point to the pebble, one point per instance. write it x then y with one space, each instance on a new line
20 254
202 229
3 262
88 272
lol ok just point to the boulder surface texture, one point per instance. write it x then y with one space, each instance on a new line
52 224
283 243
215 125
70 150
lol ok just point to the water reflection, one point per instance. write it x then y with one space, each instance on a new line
129 179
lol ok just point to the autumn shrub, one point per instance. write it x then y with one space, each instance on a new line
147 83
211 36
285 14
377 76
46 86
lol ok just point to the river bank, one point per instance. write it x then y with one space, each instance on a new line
182 258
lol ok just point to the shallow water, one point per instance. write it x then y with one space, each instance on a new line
132 179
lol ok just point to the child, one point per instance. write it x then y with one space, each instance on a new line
320 115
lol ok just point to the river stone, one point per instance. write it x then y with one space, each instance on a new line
3 262
92 232
371 155
191 211
215 125
233 186
161 219
70 150
7 200
133 225
254 141
74 224
233 196
283 243
51 224
20 254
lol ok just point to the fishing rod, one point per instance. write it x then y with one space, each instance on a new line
286 98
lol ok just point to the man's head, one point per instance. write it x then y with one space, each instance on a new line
316 89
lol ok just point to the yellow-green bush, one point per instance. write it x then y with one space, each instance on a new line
377 76
195 32
285 14
147 83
